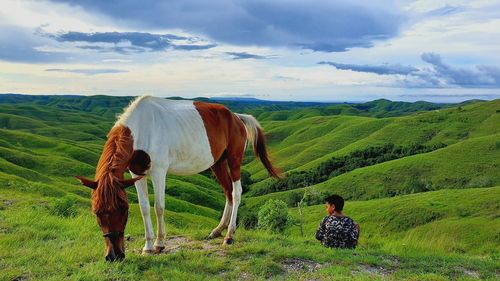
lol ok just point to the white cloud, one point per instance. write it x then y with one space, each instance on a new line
465 37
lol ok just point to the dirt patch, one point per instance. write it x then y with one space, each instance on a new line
300 265
243 276
8 202
372 269
392 260
21 278
469 272
174 244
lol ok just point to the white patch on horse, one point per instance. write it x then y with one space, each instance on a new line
237 189
171 132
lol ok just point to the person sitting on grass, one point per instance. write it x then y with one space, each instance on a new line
337 230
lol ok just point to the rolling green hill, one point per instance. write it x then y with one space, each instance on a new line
471 163
432 215
304 144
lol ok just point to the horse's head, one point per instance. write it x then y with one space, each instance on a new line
110 205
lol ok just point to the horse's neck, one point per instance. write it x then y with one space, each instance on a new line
116 153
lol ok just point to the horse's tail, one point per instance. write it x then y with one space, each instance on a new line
255 135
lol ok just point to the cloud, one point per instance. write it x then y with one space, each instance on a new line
18 44
480 76
324 25
446 10
244 55
194 47
384 69
87 71
438 75
284 78
130 42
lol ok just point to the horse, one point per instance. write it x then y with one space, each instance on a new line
155 137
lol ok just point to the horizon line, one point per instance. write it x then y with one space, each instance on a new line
239 98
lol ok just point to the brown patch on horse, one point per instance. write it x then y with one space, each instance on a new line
109 194
219 169
226 134
139 163
215 119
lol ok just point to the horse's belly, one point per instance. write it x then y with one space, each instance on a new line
190 156
185 164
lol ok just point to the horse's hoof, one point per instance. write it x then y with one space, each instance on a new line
159 249
228 241
148 252
214 235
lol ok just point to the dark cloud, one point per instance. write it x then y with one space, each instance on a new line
194 47
130 42
87 71
324 25
480 76
438 75
244 55
384 69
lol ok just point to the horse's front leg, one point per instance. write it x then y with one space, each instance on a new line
158 177
142 194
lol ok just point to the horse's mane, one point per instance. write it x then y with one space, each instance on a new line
109 194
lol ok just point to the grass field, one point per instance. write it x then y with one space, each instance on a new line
437 235
430 216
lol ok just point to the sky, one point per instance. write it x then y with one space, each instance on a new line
323 50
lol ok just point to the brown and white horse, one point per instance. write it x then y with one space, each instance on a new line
155 136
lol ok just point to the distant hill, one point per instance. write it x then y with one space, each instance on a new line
109 106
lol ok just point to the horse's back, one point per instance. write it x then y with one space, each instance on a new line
171 132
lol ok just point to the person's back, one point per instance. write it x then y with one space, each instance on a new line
337 230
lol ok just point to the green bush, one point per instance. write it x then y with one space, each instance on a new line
273 216
64 207
247 219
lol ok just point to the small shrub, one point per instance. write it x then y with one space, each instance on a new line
273 216
416 185
64 207
482 181
247 217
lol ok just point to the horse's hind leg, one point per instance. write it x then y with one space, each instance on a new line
220 170
235 157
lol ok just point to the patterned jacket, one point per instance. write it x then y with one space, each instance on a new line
338 232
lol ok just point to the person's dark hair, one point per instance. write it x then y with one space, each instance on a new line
336 200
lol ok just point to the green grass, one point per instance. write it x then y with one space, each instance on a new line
36 244
450 232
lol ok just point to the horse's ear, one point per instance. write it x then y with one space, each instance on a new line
129 182
89 183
